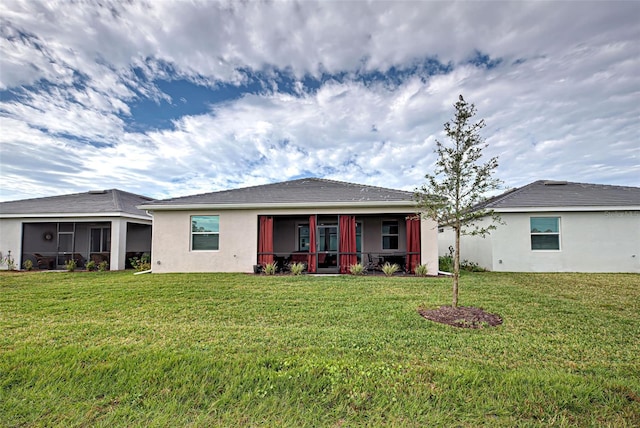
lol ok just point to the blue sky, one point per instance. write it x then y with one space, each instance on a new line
171 98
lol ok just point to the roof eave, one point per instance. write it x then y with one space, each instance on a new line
276 205
77 215
565 208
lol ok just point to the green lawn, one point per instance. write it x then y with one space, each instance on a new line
114 349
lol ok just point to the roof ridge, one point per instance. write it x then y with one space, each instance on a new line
553 193
124 192
507 194
215 191
356 184
87 192
579 183
44 197
617 186
297 180
116 198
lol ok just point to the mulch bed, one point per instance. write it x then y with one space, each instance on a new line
461 316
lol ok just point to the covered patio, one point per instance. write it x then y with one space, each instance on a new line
50 245
332 243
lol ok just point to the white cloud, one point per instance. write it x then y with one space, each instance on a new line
562 103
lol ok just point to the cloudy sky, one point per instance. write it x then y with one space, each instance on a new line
168 98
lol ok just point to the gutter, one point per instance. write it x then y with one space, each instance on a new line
74 215
277 205
593 208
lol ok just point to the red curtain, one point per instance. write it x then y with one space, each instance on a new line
311 265
413 243
265 240
347 242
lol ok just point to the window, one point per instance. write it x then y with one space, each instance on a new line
205 231
100 240
545 233
390 235
303 237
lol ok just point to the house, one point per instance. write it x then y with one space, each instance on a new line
327 225
102 225
557 226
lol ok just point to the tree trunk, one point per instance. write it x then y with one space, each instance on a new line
456 268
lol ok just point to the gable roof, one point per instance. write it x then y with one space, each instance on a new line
96 202
305 191
562 194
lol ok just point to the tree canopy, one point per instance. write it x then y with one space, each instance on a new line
453 195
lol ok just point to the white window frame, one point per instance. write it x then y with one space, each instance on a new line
558 234
192 233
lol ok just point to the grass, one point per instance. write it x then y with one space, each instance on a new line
114 349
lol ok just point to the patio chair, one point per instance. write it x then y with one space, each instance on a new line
44 262
373 264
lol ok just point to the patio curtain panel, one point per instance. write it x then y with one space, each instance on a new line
347 244
311 265
413 243
265 240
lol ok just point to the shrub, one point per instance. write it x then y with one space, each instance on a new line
445 263
141 264
103 266
9 261
421 270
27 265
389 269
91 265
70 265
270 268
357 269
468 266
297 268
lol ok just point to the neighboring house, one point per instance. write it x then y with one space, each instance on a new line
556 226
328 225
102 225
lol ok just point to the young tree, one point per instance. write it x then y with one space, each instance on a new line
453 194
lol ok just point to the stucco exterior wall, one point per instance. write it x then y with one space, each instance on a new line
171 243
589 242
600 241
10 239
429 245
171 247
475 249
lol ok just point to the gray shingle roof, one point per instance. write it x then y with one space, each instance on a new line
546 194
305 190
93 202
